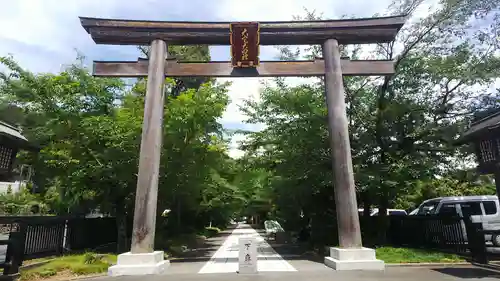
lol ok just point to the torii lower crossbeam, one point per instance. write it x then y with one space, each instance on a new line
174 68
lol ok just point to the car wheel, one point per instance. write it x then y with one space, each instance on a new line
495 239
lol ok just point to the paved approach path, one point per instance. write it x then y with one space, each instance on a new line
219 257
225 260
462 273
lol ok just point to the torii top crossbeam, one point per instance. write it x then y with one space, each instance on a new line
346 31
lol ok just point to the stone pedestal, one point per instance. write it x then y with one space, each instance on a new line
353 259
139 264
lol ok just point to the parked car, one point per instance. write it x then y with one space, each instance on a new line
413 213
482 209
390 212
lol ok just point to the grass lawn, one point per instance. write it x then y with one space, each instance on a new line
70 266
406 255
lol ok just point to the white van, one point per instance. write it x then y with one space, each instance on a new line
484 209
390 212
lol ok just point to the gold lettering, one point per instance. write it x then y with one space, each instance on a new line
244 49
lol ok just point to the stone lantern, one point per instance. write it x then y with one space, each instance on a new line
484 135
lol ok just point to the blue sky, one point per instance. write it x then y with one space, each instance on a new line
43 35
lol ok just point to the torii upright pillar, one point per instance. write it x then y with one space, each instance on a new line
142 259
350 255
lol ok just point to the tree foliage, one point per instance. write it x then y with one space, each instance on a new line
402 127
89 130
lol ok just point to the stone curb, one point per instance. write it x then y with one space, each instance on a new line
87 277
34 265
427 264
11 277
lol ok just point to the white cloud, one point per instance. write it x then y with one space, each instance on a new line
234 150
240 90
282 10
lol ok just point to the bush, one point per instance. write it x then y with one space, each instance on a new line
91 258
22 202
211 231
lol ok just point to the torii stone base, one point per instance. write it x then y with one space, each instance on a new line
139 264
353 259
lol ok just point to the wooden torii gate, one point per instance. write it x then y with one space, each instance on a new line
244 39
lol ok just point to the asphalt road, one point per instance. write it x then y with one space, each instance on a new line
469 273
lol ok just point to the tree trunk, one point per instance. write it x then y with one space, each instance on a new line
368 225
366 204
121 227
383 219
178 214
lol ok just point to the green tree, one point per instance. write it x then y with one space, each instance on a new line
90 128
401 127
22 202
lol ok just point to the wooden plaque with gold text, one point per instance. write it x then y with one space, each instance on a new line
245 44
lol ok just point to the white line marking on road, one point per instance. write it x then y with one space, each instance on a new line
225 260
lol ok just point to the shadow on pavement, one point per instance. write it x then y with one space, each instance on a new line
469 272
225 260
494 266
290 251
204 251
189 259
287 251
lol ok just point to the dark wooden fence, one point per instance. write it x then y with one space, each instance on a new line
429 232
91 233
445 234
43 236
33 237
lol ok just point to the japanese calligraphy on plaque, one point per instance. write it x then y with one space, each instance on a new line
245 44
247 258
